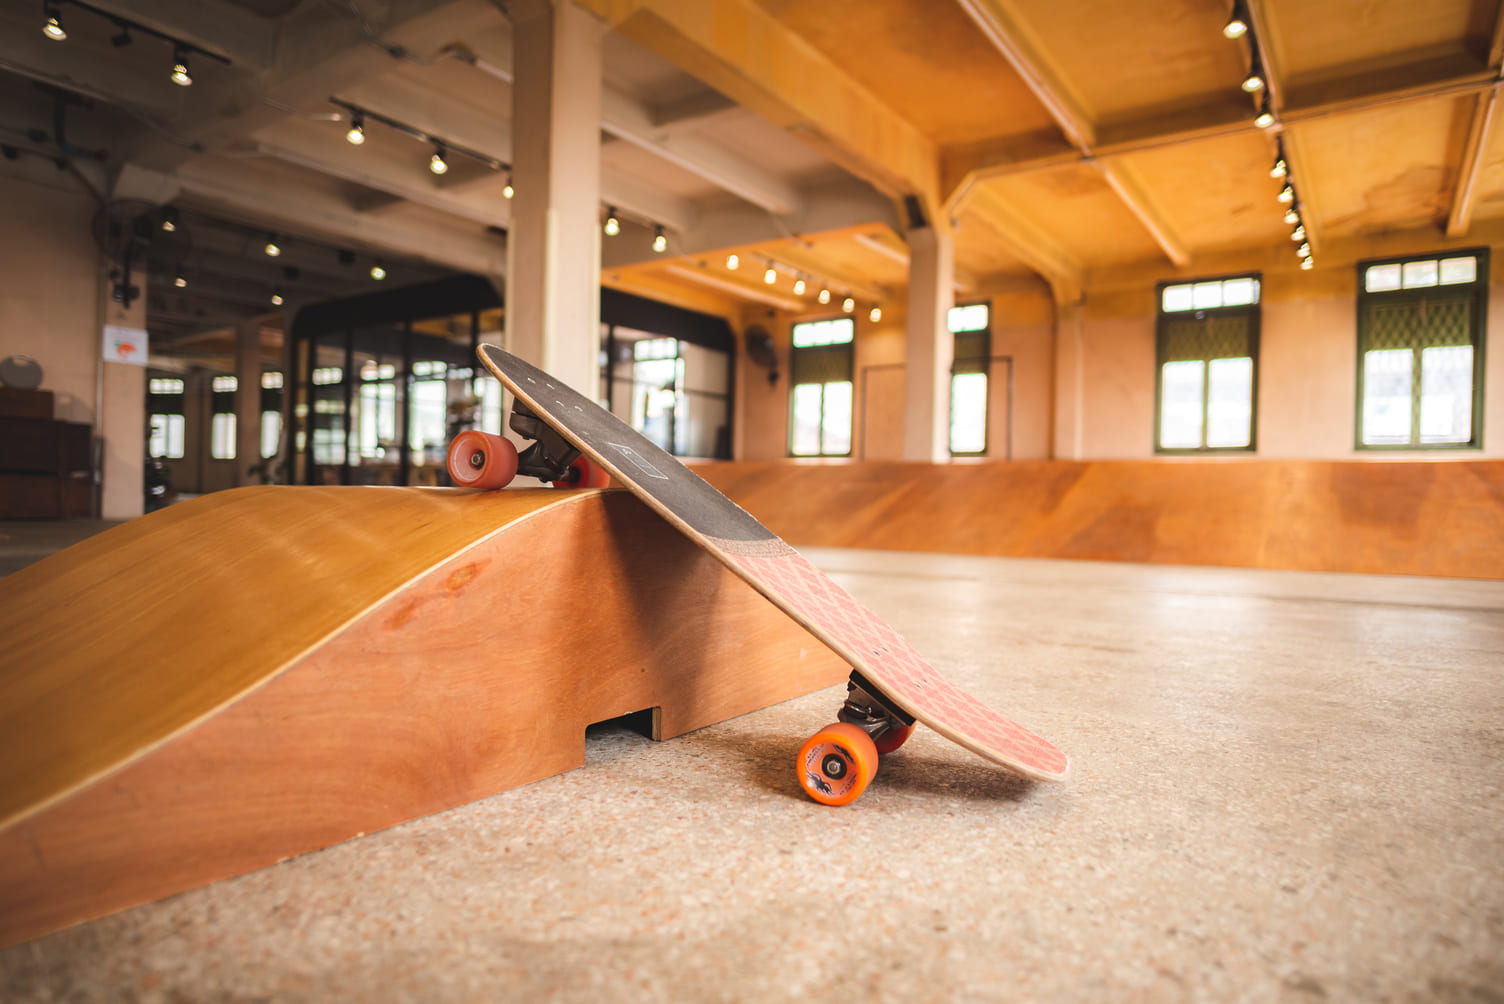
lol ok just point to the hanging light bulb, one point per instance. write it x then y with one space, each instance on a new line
439 162
180 69
1304 250
733 262
771 275
1286 195
1237 22
1292 216
798 287
824 296
1254 82
848 305
53 29
613 225
1279 168
169 220
357 133
509 191
180 280
1298 234
272 248
378 271
277 297
876 314
1265 117
660 239
1307 263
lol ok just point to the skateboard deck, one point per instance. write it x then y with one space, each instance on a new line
887 664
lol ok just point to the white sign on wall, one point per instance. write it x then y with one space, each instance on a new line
124 345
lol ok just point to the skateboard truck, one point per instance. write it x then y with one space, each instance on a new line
869 711
551 455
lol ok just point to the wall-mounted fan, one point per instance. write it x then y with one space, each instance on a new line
760 350
123 230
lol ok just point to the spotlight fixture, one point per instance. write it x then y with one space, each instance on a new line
733 262
1237 23
1265 117
1304 250
848 305
1286 195
277 296
169 220
272 248
1254 82
509 191
613 225
876 314
438 163
771 275
357 133
824 296
798 287
1292 215
1298 234
53 29
180 280
180 74
660 240
378 271
1279 168
1307 263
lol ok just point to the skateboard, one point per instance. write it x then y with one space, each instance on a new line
576 443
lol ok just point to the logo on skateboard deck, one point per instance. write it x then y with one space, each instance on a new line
638 461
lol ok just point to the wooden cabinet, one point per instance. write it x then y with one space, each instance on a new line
44 468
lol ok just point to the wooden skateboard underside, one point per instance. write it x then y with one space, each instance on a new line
778 572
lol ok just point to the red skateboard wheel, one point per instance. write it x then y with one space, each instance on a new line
836 764
893 738
481 460
584 473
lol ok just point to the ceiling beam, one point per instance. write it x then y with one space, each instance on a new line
1475 145
1271 51
744 52
1030 245
964 280
795 260
1005 27
742 291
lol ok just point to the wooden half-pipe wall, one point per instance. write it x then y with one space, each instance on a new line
1401 518
263 672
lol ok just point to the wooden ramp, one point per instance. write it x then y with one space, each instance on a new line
263 672
1399 518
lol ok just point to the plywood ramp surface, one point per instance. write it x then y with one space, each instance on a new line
1414 518
259 673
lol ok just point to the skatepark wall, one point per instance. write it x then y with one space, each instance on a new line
1400 518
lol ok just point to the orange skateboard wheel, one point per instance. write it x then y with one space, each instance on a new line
584 473
481 460
893 738
836 764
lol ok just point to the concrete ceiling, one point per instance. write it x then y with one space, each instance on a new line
1068 142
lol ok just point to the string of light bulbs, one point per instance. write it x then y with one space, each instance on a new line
1240 25
802 283
54 29
612 227
442 149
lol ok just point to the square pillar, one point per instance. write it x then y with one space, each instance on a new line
554 249
247 401
929 347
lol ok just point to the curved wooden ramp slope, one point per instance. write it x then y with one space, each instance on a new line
259 673
1403 518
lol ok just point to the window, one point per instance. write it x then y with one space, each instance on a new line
971 327
820 396
1420 351
164 403
1206 359
222 420
271 413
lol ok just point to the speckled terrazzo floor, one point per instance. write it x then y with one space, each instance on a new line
1286 786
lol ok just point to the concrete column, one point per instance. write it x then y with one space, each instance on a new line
929 347
121 421
247 401
1069 381
554 250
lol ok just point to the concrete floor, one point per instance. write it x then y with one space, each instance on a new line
1286 786
24 541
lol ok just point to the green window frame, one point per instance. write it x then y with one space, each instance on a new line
820 388
971 327
1422 323
1206 372
166 424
